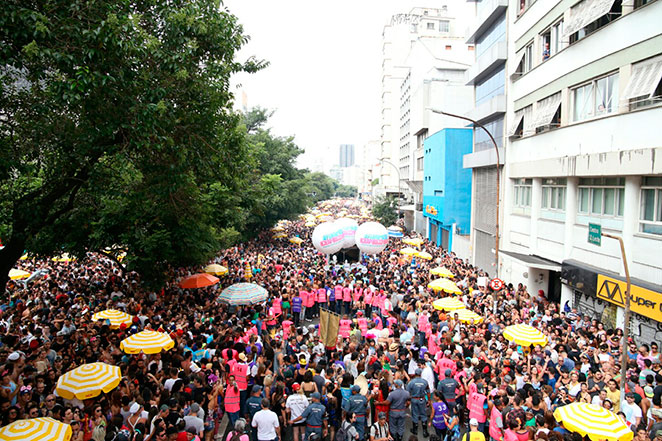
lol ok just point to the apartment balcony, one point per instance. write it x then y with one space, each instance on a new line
495 56
489 109
490 11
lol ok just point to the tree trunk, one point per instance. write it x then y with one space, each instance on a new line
9 255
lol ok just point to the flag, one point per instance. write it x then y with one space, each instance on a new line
329 326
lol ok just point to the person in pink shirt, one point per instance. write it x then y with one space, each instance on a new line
287 329
321 297
347 298
310 303
362 322
338 294
345 327
367 298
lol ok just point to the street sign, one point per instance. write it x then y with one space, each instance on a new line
496 284
595 234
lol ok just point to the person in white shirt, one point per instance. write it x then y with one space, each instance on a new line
631 410
600 398
295 405
266 422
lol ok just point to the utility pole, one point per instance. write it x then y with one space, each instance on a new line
626 325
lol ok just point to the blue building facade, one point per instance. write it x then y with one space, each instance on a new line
447 185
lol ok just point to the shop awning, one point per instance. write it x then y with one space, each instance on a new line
517 119
585 13
519 58
546 109
645 78
533 261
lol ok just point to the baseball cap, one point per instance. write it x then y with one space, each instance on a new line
382 415
356 388
296 386
648 391
448 372
256 388
14 356
473 422
164 407
658 433
315 395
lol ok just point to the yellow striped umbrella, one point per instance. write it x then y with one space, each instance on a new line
448 304
63 258
148 342
88 381
296 240
441 271
524 335
593 421
468 316
444 285
413 241
36 429
115 317
309 224
408 251
280 236
217 270
17 274
277 228
424 255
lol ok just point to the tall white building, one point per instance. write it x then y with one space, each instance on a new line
584 113
425 58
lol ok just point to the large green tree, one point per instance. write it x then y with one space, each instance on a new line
385 210
115 123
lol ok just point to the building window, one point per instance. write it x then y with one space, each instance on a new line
548 113
526 63
524 5
449 47
523 193
470 47
651 205
588 16
598 97
602 196
644 88
551 40
444 26
430 25
553 194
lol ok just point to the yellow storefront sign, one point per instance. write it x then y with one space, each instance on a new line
642 301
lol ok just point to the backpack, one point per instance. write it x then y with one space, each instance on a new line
341 434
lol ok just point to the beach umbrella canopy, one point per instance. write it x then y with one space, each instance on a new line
593 421
277 228
444 285
448 304
243 294
413 241
217 270
296 240
424 255
441 271
394 231
468 316
88 381
148 342
63 258
17 274
408 251
309 224
524 335
280 236
198 281
36 429
115 317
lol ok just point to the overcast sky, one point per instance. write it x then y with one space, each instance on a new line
325 62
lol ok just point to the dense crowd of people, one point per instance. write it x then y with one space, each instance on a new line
400 369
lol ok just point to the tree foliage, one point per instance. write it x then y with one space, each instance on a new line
385 210
115 122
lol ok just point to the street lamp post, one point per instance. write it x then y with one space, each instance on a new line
498 180
397 170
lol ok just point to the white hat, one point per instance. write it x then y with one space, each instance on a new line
473 422
135 407
14 356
